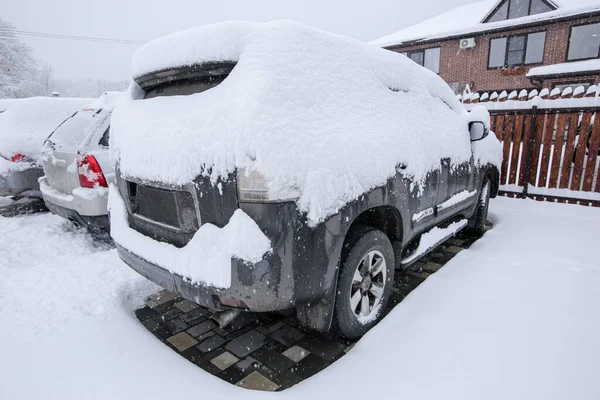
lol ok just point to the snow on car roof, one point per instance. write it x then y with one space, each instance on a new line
25 125
468 19
311 111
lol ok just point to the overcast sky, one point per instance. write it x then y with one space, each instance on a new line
148 19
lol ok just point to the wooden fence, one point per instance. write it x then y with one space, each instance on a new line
550 153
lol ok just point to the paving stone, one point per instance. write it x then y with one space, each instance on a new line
151 325
276 326
224 360
182 341
322 347
431 267
275 361
246 344
454 249
263 329
287 379
168 315
176 325
220 331
194 315
211 343
241 321
151 303
231 375
248 365
186 306
310 365
287 336
201 328
455 241
273 345
347 349
257 381
163 297
194 355
210 368
163 333
205 336
296 353
418 275
144 313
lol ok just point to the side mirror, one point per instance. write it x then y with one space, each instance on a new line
478 131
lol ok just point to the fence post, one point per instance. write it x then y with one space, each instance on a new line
530 139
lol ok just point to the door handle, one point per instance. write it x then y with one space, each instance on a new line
400 167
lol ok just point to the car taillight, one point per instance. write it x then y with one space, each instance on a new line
90 173
17 157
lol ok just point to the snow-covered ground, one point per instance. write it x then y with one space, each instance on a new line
513 317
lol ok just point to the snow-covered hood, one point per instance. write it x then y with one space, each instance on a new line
28 122
311 111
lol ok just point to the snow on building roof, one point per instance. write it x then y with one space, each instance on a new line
28 122
469 19
293 88
565 68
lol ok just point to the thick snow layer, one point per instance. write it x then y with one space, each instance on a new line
206 259
565 68
542 104
513 317
469 19
311 111
25 126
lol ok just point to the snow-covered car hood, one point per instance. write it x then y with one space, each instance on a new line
315 113
28 122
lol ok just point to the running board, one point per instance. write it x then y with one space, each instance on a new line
432 239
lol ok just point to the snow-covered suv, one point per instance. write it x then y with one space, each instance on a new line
269 167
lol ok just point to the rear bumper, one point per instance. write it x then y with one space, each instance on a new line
256 292
84 202
100 221
14 183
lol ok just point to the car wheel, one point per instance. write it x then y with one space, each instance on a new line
365 283
478 220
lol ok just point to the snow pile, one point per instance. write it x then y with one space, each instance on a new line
565 68
25 126
513 317
206 259
315 113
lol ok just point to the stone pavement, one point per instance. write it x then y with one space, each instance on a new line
269 352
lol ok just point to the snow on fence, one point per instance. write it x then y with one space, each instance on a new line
551 144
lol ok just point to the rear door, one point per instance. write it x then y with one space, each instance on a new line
97 145
456 191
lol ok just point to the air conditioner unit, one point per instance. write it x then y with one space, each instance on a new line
468 43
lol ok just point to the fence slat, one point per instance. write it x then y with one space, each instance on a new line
546 149
525 139
569 149
516 147
507 138
580 150
590 168
535 151
559 139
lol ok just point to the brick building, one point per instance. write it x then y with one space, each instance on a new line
496 45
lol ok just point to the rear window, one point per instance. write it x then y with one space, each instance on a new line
72 132
185 80
105 137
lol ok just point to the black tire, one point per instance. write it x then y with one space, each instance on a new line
364 242
478 220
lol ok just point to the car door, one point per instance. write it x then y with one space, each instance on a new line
456 189
422 201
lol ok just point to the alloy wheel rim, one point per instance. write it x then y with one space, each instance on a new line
368 283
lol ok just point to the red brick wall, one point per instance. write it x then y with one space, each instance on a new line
471 66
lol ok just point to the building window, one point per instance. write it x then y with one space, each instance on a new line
584 42
510 9
517 50
428 58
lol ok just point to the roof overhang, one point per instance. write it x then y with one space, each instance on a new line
480 32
